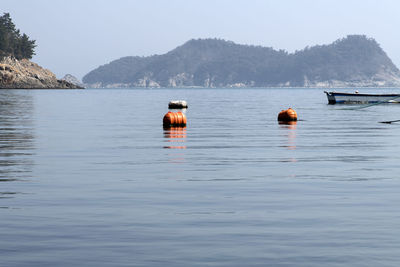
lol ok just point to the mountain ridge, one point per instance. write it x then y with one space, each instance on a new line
355 60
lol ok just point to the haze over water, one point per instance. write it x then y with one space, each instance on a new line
90 178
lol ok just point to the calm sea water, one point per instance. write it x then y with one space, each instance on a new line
90 178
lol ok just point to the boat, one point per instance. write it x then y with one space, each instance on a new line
357 98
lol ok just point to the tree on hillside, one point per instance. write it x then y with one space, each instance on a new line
12 43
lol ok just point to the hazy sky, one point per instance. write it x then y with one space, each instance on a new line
76 36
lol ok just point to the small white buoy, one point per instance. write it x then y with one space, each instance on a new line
177 104
356 91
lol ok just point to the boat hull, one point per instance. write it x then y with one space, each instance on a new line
356 98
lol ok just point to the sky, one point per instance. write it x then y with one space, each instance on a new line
76 36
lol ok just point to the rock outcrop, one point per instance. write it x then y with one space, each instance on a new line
72 79
24 74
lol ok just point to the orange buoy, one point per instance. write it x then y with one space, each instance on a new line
287 115
174 119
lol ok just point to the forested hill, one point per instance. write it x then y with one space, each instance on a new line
12 43
352 61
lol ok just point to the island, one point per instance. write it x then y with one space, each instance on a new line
353 61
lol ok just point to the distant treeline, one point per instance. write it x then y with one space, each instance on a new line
12 43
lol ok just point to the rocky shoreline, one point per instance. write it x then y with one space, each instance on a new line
24 74
371 83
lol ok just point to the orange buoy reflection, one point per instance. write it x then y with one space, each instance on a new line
290 134
290 124
176 136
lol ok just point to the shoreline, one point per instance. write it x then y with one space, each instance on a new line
238 88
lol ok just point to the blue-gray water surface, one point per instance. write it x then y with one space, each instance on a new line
91 178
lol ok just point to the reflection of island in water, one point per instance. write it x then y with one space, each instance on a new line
176 137
16 136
